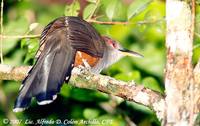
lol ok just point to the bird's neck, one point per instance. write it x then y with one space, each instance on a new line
110 56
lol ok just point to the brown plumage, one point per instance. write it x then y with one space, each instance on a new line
60 40
65 43
81 57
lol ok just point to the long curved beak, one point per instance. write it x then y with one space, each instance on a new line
127 52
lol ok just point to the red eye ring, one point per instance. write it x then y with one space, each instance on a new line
114 44
110 42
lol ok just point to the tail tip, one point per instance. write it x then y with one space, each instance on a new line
19 109
44 102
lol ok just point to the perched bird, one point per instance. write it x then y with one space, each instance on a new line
65 43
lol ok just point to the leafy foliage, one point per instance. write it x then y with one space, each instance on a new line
144 33
72 10
137 7
89 10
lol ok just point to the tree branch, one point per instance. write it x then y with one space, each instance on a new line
107 22
124 22
84 79
179 71
20 36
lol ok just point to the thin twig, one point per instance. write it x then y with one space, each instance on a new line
124 22
90 20
106 22
150 21
20 36
1 39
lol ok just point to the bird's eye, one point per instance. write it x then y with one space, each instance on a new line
114 45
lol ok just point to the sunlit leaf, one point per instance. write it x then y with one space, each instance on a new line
65 90
8 45
155 11
129 76
111 8
23 43
90 113
197 2
197 121
197 24
88 11
15 59
32 46
124 30
196 54
72 10
153 61
92 1
122 66
17 27
33 26
11 87
151 83
136 7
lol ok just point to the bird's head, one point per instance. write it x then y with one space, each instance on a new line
115 46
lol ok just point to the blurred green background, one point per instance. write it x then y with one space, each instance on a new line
145 33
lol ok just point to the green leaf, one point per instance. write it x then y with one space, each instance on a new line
128 76
76 111
86 95
17 27
65 90
33 26
92 1
124 30
136 7
32 46
23 43
111 8
8 45
11 87
88 11
15 59
197 121
90 113
153 61
198 2
72 10
152 83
